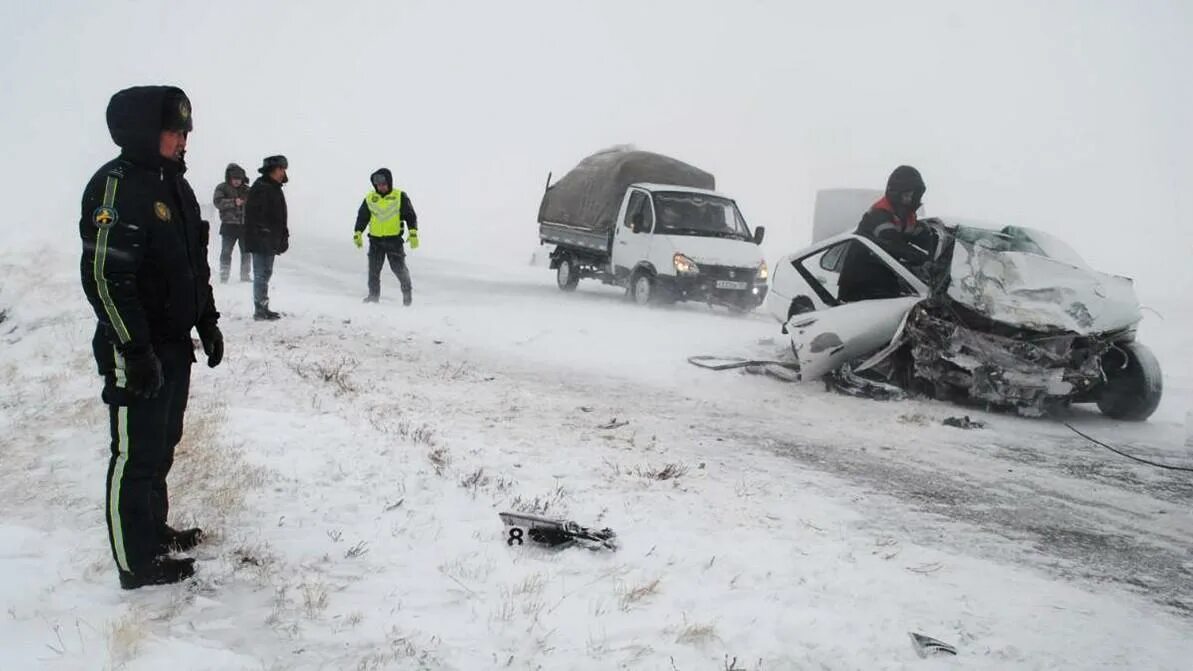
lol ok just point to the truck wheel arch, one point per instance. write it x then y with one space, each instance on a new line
644 267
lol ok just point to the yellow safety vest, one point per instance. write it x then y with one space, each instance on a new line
385 220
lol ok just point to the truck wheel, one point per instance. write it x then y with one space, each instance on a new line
567 275
1134 383
642 289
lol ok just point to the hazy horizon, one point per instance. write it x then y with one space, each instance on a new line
1069 117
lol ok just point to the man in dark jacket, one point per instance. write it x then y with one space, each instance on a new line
229 199
266 234
144 271
386 212
891 223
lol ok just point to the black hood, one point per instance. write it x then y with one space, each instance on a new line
384 172
903 179
234 170
137 115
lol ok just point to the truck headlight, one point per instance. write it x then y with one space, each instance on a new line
763 273
684 265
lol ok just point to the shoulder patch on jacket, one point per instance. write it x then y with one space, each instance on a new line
105 217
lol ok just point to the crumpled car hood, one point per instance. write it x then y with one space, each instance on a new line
1041 293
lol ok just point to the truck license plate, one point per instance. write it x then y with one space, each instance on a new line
727 284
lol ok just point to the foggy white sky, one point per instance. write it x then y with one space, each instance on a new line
1074 117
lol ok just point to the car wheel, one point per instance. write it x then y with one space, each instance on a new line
1134 383
567 275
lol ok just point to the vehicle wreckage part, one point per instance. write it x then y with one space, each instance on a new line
845 380
784 370
555 533
883 354
1026 277
1134 383
824 340
963 423
1031 374
926 646
1099 443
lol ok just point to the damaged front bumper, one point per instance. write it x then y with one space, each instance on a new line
959 354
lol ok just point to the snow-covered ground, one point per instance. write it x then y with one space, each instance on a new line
351 460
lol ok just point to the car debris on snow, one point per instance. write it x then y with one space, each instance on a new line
557 534
926 646
964 423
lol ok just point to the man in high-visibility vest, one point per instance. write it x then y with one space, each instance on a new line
386 212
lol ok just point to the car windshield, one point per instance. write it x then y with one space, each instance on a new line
1020 239
680 213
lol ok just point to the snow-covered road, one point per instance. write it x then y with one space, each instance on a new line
1068 506
352 459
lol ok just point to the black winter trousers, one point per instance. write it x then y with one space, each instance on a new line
145 432
381 249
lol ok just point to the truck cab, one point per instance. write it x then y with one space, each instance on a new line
674 243
654 225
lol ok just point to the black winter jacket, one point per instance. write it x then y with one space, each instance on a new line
144 263
265 221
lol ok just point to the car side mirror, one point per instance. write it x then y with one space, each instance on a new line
759 234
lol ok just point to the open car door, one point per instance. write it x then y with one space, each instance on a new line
826 339
833 332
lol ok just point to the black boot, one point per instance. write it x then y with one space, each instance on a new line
263 313
173 540
163 571
407 299
371 299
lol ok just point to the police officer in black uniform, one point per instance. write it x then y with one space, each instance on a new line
144 270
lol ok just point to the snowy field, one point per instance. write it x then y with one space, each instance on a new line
351 460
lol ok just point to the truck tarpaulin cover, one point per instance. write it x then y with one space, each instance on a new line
590 195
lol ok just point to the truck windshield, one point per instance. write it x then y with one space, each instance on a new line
679 213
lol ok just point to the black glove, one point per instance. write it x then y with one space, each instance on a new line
213 344
143 374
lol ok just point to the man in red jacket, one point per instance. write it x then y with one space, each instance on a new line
891 223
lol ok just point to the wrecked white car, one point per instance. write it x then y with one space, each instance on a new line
1010 318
